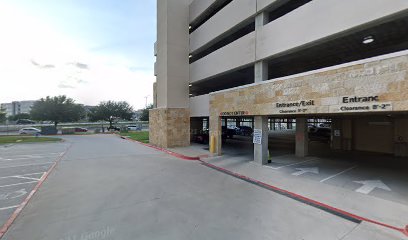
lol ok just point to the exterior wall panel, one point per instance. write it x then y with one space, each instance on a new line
236 54
319 19
197 7
230 16
200 106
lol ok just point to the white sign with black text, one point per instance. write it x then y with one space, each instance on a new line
257 138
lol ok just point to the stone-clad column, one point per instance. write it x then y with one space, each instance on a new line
215 140
169 121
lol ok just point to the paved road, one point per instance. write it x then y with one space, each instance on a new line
21 167
109 188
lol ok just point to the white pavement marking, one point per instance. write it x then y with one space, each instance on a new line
337 174
301 171
21 175
23 165
5 208
16 184
12 195
370 185
33 156
292 164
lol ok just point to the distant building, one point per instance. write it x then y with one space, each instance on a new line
17 107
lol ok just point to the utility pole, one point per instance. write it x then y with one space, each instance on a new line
146 100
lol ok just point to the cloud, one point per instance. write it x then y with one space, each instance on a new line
79 65
46 66
63 85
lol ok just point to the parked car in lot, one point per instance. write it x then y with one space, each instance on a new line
24 121
114 128
204 138
133 128
229 133
80 129
29 131
201 137
320 134
244 131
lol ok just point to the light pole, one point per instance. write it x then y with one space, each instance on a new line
146 100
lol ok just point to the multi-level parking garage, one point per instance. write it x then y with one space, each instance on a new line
281 66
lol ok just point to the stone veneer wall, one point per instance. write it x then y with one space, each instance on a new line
386 78
169 127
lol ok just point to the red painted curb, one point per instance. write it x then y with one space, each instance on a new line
307 200
20 208
178 155
292 194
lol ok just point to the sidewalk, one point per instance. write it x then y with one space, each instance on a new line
389 212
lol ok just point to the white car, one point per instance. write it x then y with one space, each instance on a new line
29 131
134 128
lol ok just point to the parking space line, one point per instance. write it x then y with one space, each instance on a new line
16 184
23 165
337 174
5 208
292 164
21 175
25 157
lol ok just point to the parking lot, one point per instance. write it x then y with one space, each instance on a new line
21 168
377 175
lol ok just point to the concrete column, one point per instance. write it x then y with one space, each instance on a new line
401 137
215 135
261 19
337 133
261 71
302 138
347 132
261 67
261 150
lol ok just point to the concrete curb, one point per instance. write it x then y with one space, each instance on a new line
20 208
325 207
330 209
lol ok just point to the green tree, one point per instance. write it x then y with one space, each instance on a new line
19 116
110 110
57 109
144 116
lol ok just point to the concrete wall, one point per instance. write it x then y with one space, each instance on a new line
312 22
200 106
197 7
237 54
319 19
387 79
172 53
227 18
373 135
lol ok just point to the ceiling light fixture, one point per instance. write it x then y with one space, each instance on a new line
190 85
368 40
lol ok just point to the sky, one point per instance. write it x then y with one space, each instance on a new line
89 50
